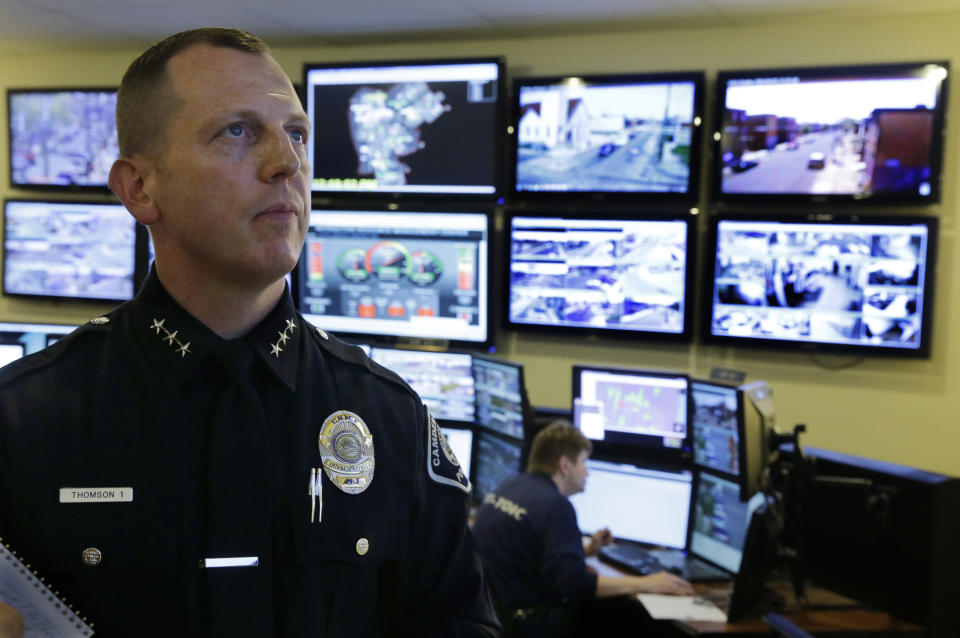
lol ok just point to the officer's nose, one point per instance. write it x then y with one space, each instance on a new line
280 159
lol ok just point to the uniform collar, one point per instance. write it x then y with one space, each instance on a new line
177 343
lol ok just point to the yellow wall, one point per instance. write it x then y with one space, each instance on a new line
903 411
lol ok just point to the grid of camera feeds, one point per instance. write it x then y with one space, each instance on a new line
69 250
62 138
872 132
415 128
606 274
613 134
853 284
444 380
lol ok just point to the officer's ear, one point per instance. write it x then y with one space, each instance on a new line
564 465
128 181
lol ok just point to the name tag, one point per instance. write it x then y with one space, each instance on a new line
96 494
233 561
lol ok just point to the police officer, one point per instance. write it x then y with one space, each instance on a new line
531 544
201 460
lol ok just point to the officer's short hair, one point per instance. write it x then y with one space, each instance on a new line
146 100
558 439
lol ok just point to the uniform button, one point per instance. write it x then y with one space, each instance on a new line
363 546
323 335
92 557
99 321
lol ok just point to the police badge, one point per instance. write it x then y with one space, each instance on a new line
346 447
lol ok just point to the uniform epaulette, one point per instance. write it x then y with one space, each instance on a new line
353 354
98 325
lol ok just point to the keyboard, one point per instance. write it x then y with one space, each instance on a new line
631 557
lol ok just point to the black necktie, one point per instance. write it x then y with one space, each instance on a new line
239 599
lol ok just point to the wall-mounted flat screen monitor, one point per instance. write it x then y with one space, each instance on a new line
460 441
639 504
608 137
595 273
501 396
824 282
421 128
62 138
495 460
629 411
69 250
836 134
444 380
397 275
20 339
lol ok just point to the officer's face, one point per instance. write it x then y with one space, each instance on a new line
578 473
231 183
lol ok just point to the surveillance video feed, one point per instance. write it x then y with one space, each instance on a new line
582 136
82 251
499 396
404 129
62 138
443 380
495 461
858 136
716 443
821 283
631 405
420 275
590 273
720 522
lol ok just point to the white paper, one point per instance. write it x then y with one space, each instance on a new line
661 606
44 615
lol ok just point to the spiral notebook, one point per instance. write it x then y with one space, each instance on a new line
44 614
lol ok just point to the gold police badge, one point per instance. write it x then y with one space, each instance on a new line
346 447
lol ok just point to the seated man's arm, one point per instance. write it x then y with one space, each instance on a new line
659 583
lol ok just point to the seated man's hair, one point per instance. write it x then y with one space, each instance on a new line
145 100
558 439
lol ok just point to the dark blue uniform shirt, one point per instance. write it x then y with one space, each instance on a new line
528 535
127 400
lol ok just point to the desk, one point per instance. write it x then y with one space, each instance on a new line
834 622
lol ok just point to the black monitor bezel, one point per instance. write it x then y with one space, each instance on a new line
499 133
689 296
853 219
636 452
52 188
525 407
139 246
690 196
396 341
826 72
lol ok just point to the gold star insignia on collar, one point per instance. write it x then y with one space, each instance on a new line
183 349
275 348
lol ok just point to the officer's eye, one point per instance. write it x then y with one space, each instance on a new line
234 130
298 135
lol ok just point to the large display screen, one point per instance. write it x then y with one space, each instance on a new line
62 138
608 135
616 276
849 283
20 339
715 419
496 459
424 128
835 133
397 274
444 380
632 407
69 250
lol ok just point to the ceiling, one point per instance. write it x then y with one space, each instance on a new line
34 25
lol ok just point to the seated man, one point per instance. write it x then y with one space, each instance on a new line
528 535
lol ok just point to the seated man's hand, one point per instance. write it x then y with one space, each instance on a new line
667 583
11 624
597 540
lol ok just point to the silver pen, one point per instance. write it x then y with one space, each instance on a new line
312 490
318 490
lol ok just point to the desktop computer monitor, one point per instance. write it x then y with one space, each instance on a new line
501 396
719 521
495 460
759 441
443 380
461 442
626 411
639 504
20 339
715 417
